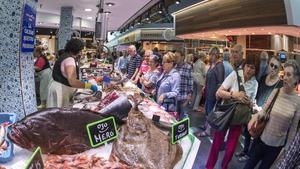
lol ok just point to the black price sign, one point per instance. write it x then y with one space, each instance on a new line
36 161
102 131
180 130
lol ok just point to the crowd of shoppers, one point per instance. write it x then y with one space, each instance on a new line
178 83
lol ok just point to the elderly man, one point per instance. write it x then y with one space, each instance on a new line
134 63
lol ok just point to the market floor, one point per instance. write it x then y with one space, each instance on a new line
197 119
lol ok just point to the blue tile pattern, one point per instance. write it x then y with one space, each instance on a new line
16 69
65 27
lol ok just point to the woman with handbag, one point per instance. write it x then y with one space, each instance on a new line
266 85
232 88
168 84
281 115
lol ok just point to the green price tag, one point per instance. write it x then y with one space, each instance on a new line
102 131
180 130
36 160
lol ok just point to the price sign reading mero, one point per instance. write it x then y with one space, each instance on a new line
36 160
102 131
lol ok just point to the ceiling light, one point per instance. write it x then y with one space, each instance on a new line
89 17
147 19
87 10
270 33
177 2
110 4
159 11
139 23
253 33
107 12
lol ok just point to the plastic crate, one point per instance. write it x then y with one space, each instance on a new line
9 153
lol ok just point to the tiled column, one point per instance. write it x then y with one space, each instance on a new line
17 87
65 27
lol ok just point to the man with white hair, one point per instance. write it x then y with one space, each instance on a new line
134 63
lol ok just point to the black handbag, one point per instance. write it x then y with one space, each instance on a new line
222 114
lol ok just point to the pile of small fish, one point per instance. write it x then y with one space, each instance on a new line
81 161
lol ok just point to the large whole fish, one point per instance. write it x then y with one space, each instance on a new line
55 130
140 144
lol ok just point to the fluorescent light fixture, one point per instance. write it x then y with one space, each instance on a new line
110 4
189 7
87 10
89 17
107 12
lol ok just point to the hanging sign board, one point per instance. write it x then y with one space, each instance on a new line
36 161
102 131
28 29
180 130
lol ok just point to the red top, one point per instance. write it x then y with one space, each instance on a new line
144 67
40 63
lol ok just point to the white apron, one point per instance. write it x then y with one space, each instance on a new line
45 78
59 94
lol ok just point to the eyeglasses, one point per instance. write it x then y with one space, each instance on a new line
273 66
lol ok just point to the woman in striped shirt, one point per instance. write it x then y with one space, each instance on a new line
283 122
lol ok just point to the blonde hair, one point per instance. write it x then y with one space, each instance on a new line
214 48
170 57
189 58
199 55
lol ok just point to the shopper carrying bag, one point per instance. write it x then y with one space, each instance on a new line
256 130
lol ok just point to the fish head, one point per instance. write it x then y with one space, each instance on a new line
19 135
30 131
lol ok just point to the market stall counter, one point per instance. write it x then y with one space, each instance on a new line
140 139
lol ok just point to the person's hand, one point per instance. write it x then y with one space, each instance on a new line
161 98
189 98
134 81
142 79
252 123
241 96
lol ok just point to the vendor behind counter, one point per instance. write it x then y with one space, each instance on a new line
66 76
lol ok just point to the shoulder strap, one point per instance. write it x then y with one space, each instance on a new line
268 111
239 78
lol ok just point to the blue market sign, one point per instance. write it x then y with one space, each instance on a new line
28 29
